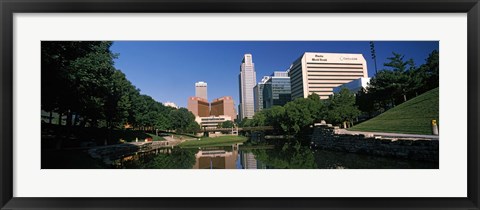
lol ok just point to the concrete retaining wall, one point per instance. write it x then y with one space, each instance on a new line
325 137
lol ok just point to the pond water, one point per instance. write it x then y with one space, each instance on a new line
271 154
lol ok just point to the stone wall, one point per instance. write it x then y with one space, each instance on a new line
326 137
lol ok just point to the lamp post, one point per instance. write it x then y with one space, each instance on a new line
374 57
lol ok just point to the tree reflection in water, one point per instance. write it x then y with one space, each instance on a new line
272 154
294 155
287 155
177 159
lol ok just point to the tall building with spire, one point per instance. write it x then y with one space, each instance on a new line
247 80
201 90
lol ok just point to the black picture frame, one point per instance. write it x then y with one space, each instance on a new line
10 7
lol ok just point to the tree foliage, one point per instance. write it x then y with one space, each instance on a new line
79 79
399 81
342 108
227 124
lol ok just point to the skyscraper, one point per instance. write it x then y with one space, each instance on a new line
319 73
247 79
201 90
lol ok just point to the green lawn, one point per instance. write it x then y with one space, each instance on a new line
413 117
216 141
131 135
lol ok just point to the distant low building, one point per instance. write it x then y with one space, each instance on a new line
170 104
212 121
354 85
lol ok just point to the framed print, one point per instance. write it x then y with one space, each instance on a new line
348 105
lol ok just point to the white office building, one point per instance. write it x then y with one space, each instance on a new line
320 73
246 79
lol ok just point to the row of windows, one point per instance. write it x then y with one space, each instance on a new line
294 87
297 92
323 85
315 76
327 79
334 67
295 72
212 119
296 81
349 64
336 71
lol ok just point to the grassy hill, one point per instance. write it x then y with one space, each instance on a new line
413 116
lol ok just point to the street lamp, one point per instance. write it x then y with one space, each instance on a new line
374 57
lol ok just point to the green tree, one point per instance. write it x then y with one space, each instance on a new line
118 103
245 122
227 124
275 117
298 115
75 78
341 108
193 127
259 119
181 119
392 83
428 73
366 103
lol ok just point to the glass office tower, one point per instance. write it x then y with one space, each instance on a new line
277 90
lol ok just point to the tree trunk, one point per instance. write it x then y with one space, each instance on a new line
50 117
404 97
59 118
76 119
95 123
69 118
83 123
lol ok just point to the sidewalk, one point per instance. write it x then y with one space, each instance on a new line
393 135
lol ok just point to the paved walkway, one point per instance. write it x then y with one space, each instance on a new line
176 141
393 135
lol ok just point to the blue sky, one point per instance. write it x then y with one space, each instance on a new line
168 70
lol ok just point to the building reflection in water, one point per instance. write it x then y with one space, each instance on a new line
226 158
248 161
217 157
